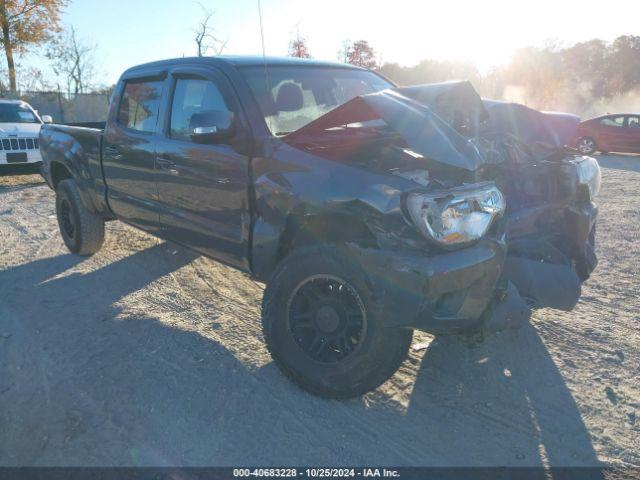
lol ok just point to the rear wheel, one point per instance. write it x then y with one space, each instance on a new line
81 229
323 328
587 146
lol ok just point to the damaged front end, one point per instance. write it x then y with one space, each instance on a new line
500 215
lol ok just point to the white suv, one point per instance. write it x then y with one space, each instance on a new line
19 130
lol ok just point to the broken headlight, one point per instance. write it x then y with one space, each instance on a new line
589 174
456 216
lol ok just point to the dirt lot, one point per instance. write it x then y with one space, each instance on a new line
146 354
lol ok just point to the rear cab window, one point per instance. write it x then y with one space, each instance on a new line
140 104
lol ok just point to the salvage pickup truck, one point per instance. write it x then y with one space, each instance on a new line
368 210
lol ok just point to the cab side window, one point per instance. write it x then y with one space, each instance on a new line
140 105
195 97
612 122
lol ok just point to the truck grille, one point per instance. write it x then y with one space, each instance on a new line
19 144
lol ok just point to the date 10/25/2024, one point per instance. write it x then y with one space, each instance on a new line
316 472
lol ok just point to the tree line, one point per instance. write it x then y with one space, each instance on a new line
579 78
29 24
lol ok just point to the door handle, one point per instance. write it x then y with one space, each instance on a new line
168 166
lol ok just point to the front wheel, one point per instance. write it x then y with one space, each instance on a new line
587 146
323 327
81 229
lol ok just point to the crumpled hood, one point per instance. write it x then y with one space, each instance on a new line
443 122
421 128
20 129
424 131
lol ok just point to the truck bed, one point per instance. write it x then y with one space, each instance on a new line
78 150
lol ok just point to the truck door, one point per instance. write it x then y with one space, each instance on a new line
633 133
129 152
613 136
203 182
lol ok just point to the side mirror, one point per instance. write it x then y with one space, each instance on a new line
212 127
47 119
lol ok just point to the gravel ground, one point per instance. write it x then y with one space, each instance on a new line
147 354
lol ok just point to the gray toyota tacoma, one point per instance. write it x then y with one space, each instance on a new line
368 210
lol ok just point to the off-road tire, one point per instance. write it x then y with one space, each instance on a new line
87 234
379 354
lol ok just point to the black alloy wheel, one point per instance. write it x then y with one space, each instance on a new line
67 219
326 318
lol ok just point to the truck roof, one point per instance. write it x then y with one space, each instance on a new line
246 61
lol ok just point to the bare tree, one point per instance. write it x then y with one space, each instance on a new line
360 53
343 53
73 61
298 46
204 35
33 79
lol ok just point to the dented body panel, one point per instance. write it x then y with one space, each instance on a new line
344 179
537 256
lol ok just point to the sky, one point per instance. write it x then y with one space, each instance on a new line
485 32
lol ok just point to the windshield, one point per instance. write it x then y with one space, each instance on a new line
296 96
17 113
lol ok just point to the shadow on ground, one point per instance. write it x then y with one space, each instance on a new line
19 175
19 169
86 382
620 162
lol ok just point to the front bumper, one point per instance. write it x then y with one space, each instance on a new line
445 293
492 285
30 157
